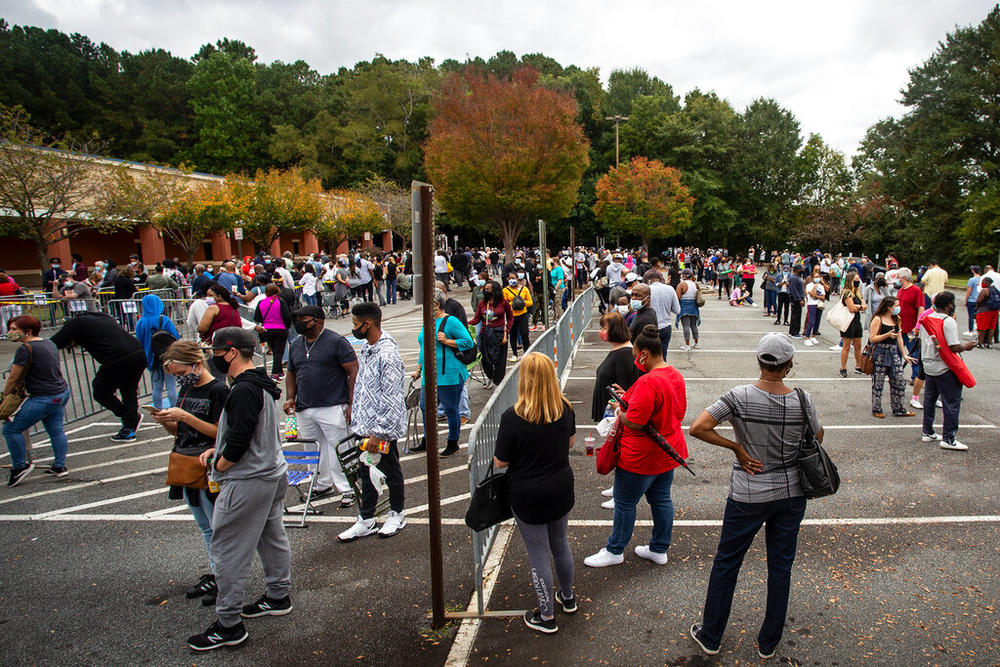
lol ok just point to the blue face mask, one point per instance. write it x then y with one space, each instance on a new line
636 304
896 310
816 280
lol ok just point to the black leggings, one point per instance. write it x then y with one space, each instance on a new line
493 349
519 330
276 339
725 285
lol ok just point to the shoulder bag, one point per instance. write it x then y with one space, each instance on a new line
817 472
11 402
186 470
490 502
465 357
607 455
699 298
839 316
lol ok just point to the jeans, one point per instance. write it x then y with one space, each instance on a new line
390 291
629 488
160 379
665 334
49 410
948 388
970 308
910 345
770 302
781 307
781 519
519 331
202 513
463 404
795 320
310 299
449 396
812 327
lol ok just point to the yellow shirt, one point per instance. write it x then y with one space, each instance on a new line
934 280
511 293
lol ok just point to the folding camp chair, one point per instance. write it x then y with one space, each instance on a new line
303 467
350 460
412 416
476 372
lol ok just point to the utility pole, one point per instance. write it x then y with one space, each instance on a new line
618 118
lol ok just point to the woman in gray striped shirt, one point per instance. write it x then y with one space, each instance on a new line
764 490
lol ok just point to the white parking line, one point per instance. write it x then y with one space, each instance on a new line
100 503
82 485
73 441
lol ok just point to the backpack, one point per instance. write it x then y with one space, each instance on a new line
465 357
160 341
518 302
992 302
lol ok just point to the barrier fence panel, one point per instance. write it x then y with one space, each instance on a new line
558 343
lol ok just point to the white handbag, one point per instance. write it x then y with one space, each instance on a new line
839 316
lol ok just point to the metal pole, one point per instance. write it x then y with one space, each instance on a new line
430 413
544 256
572 257
616 142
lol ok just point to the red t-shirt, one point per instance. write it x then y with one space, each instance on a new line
910 300
8 288
658 397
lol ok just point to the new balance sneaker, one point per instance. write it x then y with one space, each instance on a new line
363 528
695 629
394 523
533 619
765 654
608 504
608 493
126 434
56 471
218 636
568 605
643 551
17 475
204 586
604 558
954 446
843 372
933 437
266 606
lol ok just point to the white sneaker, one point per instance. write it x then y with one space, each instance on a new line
604 559
933 437
809 342
642 551
608 504
835 348
361 529
695 346
394 523
956 446
814 341
914 403
608 493
938 403
685 348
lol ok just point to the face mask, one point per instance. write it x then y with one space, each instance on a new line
640 363
896 310
604 335
189 380
222 364
622 309
15 334
636 305
209 300
302 327
512 282
816 280
358 333
487 294
897 284
55 267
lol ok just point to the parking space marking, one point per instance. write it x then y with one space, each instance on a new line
82 485
101 503
72 441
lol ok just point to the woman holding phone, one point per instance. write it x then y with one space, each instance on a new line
888 354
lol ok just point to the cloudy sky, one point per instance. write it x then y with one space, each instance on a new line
838 66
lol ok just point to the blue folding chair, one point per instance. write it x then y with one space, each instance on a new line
303 468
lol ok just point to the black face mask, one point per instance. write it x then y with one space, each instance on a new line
358 333
302 327
222 364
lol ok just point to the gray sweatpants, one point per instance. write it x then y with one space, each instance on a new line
248 516
541 539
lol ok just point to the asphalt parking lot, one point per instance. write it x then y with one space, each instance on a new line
898 568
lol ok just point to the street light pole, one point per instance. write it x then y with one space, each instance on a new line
618 118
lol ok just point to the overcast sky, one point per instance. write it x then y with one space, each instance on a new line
838 66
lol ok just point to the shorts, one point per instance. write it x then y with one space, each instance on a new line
986 320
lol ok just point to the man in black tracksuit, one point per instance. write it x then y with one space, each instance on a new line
122 361
249 467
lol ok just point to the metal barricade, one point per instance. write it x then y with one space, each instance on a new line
559 343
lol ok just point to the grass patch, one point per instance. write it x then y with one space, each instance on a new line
435 636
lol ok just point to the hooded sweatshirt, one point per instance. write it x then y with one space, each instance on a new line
152 320
615 273
248 429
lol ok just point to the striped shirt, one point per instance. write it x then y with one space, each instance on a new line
770 428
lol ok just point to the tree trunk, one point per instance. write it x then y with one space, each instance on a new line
190 255
509 231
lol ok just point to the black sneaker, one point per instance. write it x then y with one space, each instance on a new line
319 493
765 654
568 606
347 500
209 599
56 471
218 636
533 619
126 434
265 606
204 586
18 474
450 450
695 629
422 447
843 372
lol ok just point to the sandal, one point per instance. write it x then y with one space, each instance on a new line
880 415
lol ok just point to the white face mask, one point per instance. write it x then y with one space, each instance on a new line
622 309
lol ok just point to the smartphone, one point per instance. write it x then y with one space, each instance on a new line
150 408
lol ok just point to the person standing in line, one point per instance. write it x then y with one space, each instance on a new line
872 294
851 337
122 362
365 277
941 380
782 280
441 267
273 319
796 299
934 279
663 300
748 274
308 282
888 353
378 412
656 399
769 283
690 313
987 308
639 304
194 423
724 269
514 292
764 490
319 389
557 278
911 306
497 318
533 443
153 321
815 296
971 295
248 465
378 280
390 280
36 368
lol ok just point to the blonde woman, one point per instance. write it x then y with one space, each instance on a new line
533 443
851 337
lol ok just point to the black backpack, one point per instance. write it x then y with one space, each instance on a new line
465 357
160 341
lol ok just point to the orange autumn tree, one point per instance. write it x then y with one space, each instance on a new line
643 198
349 214
503 152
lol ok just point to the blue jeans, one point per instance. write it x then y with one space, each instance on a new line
311 299
159 378
665 340
781 519
390 291
911 345
629 488
202 514
770 301
814 316
463 404
49 410
948 388
449 397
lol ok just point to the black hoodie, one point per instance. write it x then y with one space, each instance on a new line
248 427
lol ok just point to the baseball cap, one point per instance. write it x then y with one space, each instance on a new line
310 311
775 348
228 338
631 278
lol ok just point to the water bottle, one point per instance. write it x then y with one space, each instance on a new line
609 411
213 486
374 446
291 427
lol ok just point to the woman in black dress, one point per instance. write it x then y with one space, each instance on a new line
851 297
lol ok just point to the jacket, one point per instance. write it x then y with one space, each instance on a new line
152 320
248 430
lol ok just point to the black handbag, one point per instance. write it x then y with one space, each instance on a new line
817 472
490 504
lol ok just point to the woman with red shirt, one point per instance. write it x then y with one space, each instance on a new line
495 314
657 399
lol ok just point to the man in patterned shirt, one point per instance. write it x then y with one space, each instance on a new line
379 412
